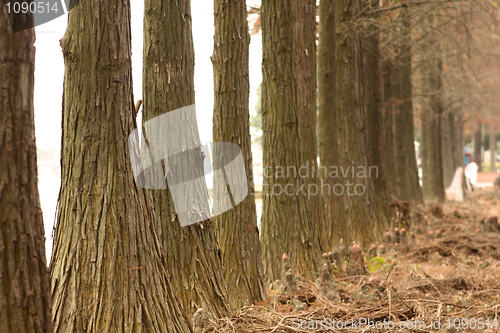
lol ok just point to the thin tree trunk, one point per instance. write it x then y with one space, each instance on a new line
404 142
237 228
108 268
448 147
437 106
390 107
478 144
192 251
288 221
432 158
374 114
326 110
492 148
304 37
25 302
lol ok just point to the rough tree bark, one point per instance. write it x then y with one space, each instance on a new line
404 143
289 224
237 228
168 84
25 302
108 269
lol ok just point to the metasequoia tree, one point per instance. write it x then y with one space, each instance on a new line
432 158
356 213
407 182
108 268
326 115
192 251
289 220
373 102
237 228
25 302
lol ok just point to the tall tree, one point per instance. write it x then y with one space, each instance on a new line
478 145
492 143
404 142
357 215
391 105
432 155
25 302
289 223
237 228
168 84
373 88
326 110
108 269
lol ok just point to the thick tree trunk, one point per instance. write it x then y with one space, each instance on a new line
357 214
404 143
289 224
108 268
326 110
492 148
237 228
168 84
25 302
478 144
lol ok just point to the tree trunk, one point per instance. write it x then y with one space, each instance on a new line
492 149
192 251
448 147
478 144
326 110
289 224
456 144
437 108
304 37
390 108
25 302
432 158
374 114
237 228
404 142
356 215
108 269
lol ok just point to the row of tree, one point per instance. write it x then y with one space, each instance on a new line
121 260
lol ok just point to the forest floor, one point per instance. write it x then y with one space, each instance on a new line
448 281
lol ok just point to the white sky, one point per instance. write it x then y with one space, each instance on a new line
49 70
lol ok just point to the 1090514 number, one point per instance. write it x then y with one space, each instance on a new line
31 7
472 323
